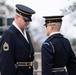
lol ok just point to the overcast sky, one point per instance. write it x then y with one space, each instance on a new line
42 7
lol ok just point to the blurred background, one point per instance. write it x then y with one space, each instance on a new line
36 27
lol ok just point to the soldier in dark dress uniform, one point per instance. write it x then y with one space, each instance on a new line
16 50
57 53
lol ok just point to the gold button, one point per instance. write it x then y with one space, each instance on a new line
29 67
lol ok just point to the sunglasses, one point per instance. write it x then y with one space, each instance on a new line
24 18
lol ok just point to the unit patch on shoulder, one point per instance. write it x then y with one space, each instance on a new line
5 46
46 43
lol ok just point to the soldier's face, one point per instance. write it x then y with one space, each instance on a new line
23 23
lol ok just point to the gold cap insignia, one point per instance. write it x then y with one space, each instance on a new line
5 46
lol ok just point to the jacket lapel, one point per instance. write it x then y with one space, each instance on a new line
30 43
19 35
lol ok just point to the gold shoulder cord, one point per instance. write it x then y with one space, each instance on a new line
52 47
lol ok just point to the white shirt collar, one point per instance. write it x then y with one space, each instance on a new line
17 27
54 33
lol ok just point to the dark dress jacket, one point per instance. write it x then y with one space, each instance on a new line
14 48
61 57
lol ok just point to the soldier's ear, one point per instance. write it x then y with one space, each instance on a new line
16 16
51 27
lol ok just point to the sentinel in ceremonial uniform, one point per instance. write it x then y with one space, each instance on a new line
56 50
17 53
